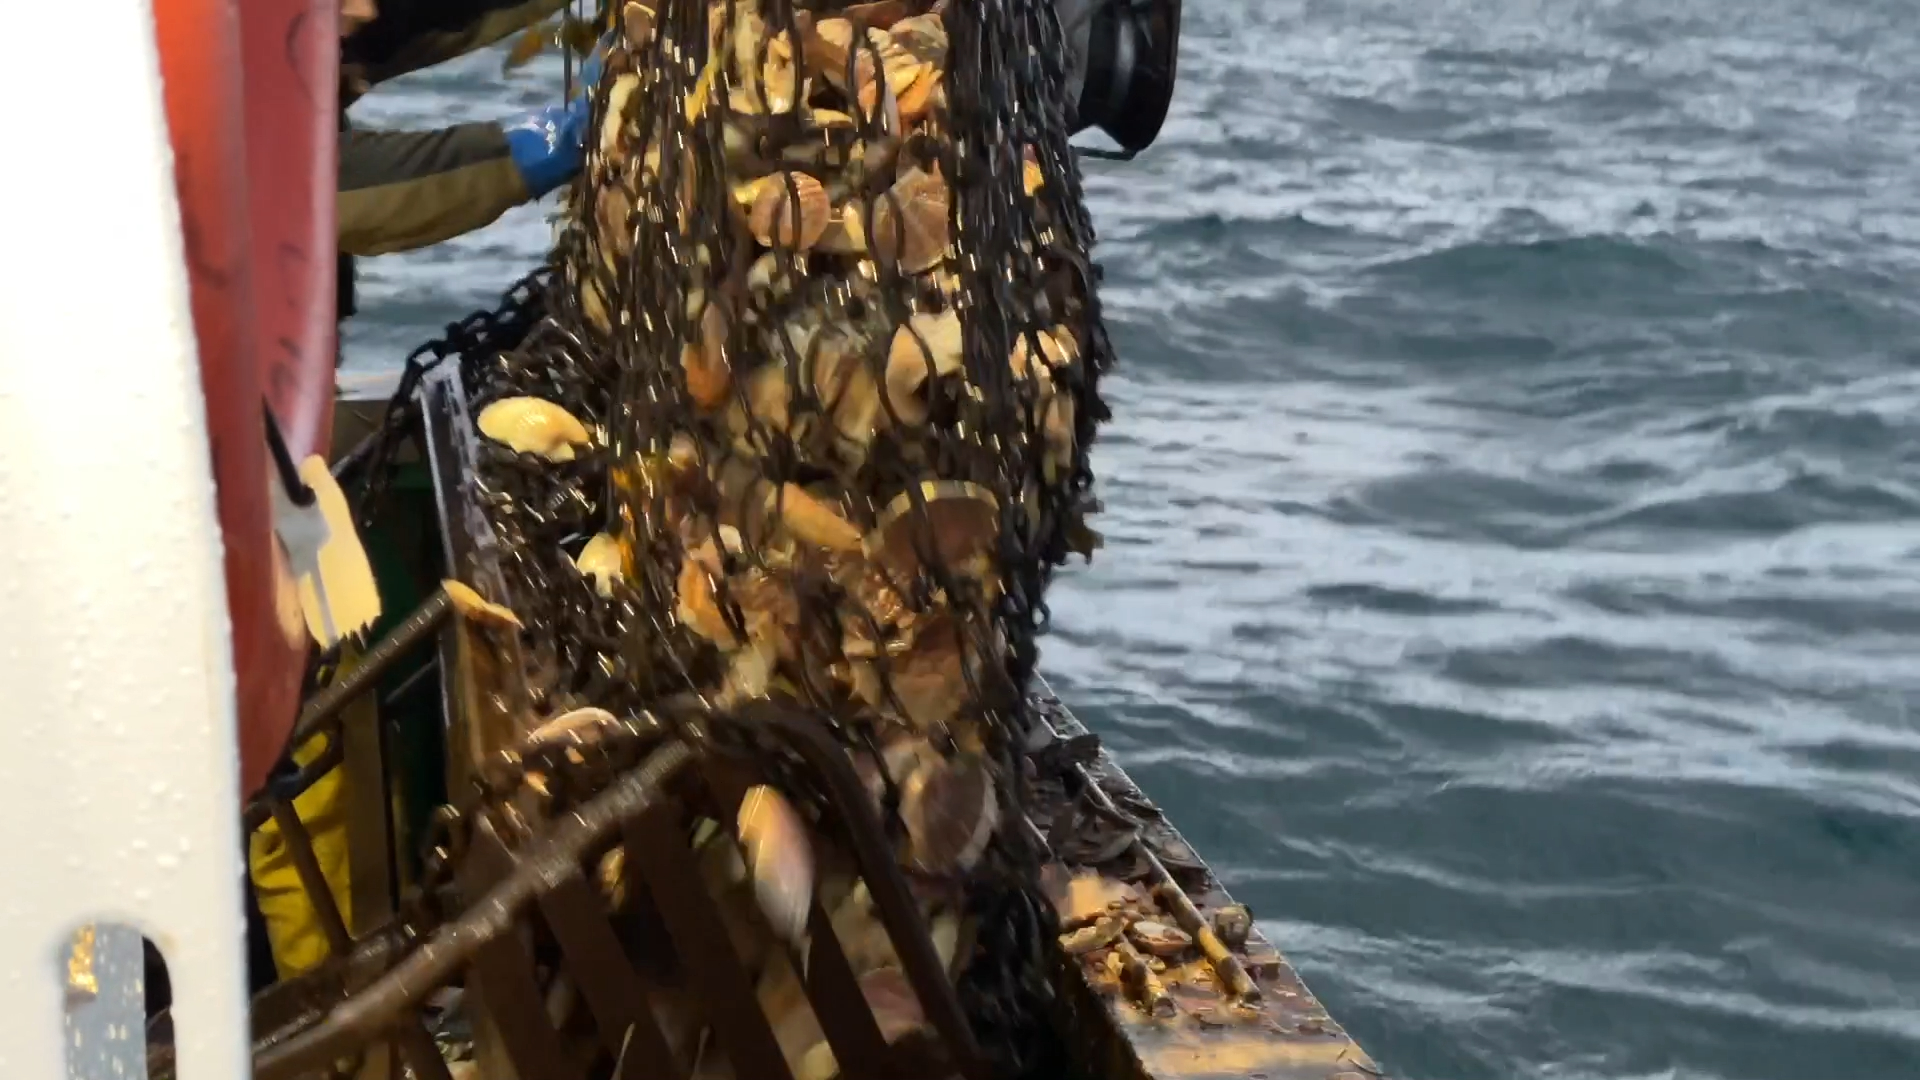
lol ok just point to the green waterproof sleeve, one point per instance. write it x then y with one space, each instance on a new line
401 190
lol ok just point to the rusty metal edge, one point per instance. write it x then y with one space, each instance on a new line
1287 1035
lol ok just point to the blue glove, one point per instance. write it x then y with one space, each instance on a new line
548 145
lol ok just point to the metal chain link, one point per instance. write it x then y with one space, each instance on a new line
472 337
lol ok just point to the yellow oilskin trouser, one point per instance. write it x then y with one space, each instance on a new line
293 926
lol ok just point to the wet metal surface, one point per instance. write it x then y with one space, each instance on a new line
1193 1018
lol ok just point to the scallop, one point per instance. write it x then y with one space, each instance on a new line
704 361
533 425
845 387
832 120
602 562
880 14
791 211
476 608
918 99
928 346
911 225
1233 923
594 307
815 522
612 209
699 607
925 36
1057 349
1159 939
637 22
780 858
1031 178
1099 935
950 809
828 50
953 521
622 89
900 71
927 682
780 77
580 725
845 234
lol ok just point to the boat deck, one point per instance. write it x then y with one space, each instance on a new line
1192 1020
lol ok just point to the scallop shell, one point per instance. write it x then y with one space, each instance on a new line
769 407
1057 349
774 219
578 725
780 78
476 608
1159 939
815 522
533 425
911 222
950 809
1056 426
1099 935
901 70
611 210
704 360
616 115
699 607
831 120
1087 897
896 1008
880 14
845 234
919 97
602 561
594 307
925 36
637 22
1232 924
846 389
828 50
928 682
929 345
780 857
961 521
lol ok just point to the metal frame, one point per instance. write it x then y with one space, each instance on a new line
515 887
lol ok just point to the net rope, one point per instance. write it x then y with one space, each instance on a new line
823 304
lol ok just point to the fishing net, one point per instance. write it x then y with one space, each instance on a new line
808 414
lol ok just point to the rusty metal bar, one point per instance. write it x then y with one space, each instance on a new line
898 912
832 988
426 621
405 987
260 810
419 1052
293 832
715 972
842 1009
1225 965
612 991
502 973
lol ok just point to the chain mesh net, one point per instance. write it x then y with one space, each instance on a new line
808 415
